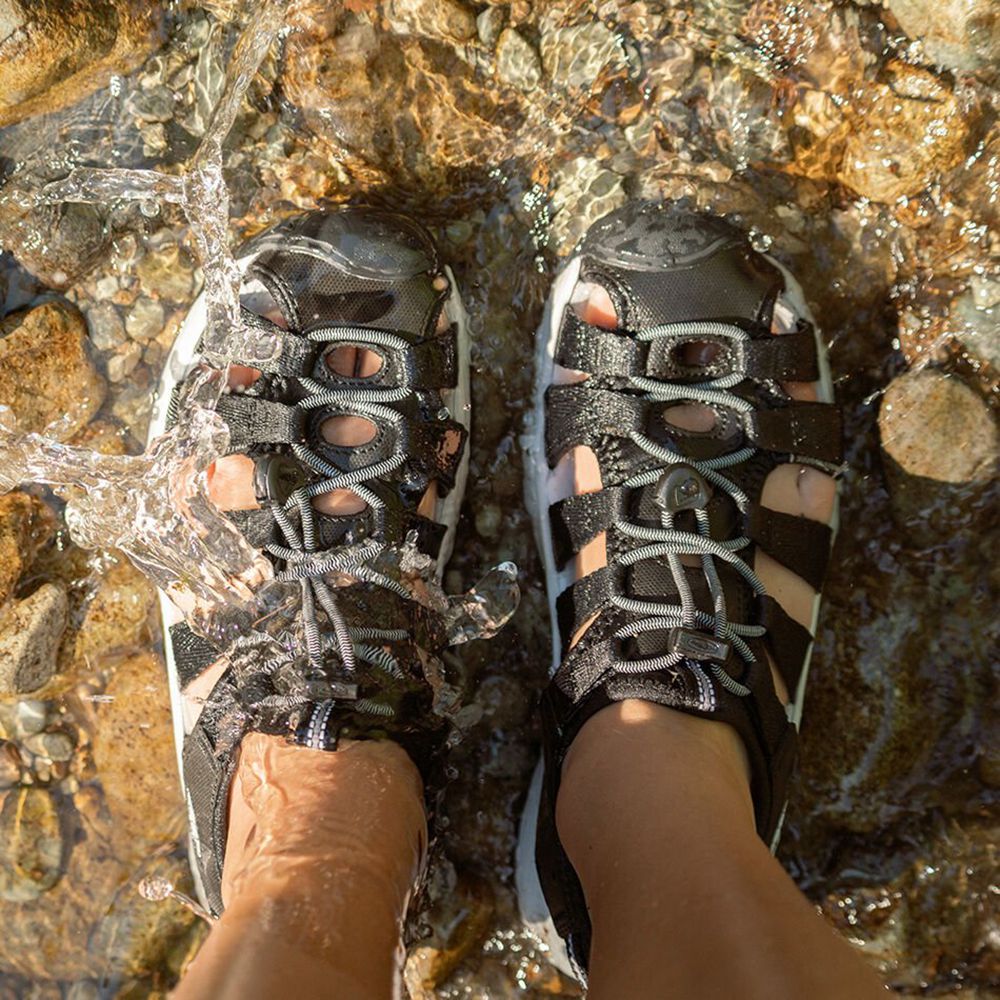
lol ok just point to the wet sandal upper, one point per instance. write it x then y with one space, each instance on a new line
698 638
368 280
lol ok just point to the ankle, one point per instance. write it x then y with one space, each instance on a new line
295 813
639 763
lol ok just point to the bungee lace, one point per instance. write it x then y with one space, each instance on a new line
308 565
670 543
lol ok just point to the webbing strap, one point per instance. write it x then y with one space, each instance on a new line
253 422
579 415
787 640
578 519
798 543
787 356
805 430
192 654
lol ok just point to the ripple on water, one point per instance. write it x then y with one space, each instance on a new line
823 128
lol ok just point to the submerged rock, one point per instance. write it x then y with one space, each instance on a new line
134 724
30 633
940 445
55 52
517 62
31 845
975 321
390 106
574 57
446 19
583 192
46 377
26 525
905 133
56 243
963 35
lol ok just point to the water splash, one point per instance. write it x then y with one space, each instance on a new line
154 506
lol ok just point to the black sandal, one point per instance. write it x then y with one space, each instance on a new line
695 638
354 663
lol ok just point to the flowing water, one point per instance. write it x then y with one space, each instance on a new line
866 161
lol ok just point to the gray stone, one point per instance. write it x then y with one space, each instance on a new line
29 717
145 319
940 446
489 24
30 631
56 746
107 331
963 35
124 362
517 62
153 105
977 328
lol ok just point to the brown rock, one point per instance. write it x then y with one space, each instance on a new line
904 134
445 19
31 845
393 105
46 377
963 35
26 525
30 632
55 52
940 446
134 752
56 243
116 616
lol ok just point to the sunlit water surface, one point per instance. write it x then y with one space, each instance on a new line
819 127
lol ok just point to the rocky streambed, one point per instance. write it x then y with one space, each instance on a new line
859 143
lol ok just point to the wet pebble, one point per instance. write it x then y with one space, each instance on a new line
166 273
10 765
906 132
123 363
155 104
446 19
574 57
56 747
29 717
489 517
975 322
107 331
963 35
46 377
145 319
26 525
517 62
56 243
30 632
489 24
31 845
940 445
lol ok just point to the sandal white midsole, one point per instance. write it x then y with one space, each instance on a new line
182 359
538 496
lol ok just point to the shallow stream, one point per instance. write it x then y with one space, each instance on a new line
860 144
